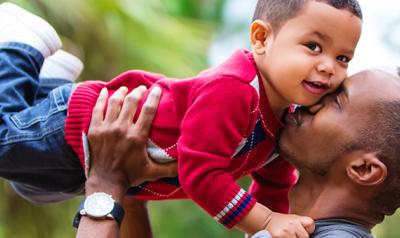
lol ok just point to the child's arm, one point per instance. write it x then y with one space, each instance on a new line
278 224
270 186
211 131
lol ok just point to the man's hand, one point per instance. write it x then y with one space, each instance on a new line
118 146
118 152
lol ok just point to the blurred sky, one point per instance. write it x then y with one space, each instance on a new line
379 45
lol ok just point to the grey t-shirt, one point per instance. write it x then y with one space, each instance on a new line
339 228
332 228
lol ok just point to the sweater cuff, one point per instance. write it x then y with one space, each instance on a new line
238 207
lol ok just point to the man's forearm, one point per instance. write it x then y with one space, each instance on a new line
136 221
89 227
97 228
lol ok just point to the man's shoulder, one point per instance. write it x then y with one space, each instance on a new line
342 233
340 229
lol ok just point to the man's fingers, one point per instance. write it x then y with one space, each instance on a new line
98 110
148 111
157 170
130 104
308 224
114 104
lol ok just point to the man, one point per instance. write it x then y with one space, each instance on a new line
345 149
347 156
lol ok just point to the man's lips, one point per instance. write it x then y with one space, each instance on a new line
316 87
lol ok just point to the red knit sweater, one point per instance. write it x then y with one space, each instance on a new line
218 126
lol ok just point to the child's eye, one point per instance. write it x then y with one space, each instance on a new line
313 46
343 59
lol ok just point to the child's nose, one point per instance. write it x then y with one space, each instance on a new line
326 66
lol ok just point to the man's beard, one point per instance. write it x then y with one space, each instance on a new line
318 168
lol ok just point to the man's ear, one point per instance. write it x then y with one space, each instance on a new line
260 33
367 170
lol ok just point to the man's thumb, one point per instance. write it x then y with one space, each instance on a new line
163 170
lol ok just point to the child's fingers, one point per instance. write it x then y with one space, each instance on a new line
98 110
301 232
308 224
130 104
114 104
149 109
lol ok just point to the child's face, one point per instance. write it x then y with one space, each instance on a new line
309 55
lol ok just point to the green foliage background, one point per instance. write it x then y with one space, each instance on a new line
112 36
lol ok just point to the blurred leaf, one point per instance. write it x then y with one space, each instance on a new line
115 36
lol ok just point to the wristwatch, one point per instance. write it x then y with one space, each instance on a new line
99 206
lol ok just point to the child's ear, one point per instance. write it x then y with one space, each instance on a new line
260 33
367 170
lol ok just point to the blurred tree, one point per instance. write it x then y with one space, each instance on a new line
112 36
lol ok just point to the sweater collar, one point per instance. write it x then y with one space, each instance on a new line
242 65
271 123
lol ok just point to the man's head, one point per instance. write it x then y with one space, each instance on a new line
352 137
302 47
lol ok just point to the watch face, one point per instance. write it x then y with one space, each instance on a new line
98 204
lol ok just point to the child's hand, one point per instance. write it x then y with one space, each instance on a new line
288 226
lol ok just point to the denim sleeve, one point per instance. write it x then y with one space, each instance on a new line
33 150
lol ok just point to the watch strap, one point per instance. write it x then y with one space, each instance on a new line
117 213
78 215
